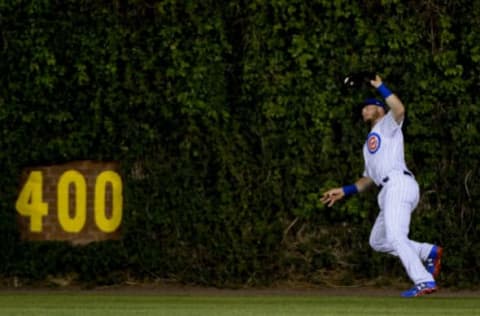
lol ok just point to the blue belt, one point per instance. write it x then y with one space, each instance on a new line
385 180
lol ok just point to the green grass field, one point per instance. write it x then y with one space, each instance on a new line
53 304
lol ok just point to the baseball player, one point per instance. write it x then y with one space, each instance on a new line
385 167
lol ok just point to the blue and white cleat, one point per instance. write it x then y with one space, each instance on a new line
434 261
421 289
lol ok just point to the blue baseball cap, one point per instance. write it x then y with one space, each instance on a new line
373 101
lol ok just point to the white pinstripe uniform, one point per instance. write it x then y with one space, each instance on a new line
385 164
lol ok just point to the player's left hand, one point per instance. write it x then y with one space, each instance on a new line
332 196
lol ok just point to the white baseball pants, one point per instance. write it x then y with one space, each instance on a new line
397 200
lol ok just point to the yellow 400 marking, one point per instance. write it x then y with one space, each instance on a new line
30 201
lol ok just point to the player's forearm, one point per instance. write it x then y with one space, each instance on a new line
392 100
363 184
396 106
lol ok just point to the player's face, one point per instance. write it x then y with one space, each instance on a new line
372 113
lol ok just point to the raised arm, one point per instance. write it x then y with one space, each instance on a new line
396 106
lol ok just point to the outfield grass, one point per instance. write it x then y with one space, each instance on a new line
119 305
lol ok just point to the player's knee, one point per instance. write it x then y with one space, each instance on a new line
383 243
374 243
375 246
395 241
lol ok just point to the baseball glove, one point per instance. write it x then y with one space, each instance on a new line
358 79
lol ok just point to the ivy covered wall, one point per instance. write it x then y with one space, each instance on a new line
229 120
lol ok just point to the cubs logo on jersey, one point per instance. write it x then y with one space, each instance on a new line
373 142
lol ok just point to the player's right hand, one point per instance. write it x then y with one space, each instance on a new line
332 196
377 82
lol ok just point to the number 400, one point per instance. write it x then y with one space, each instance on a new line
30 201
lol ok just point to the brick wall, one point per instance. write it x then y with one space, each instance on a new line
51 227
